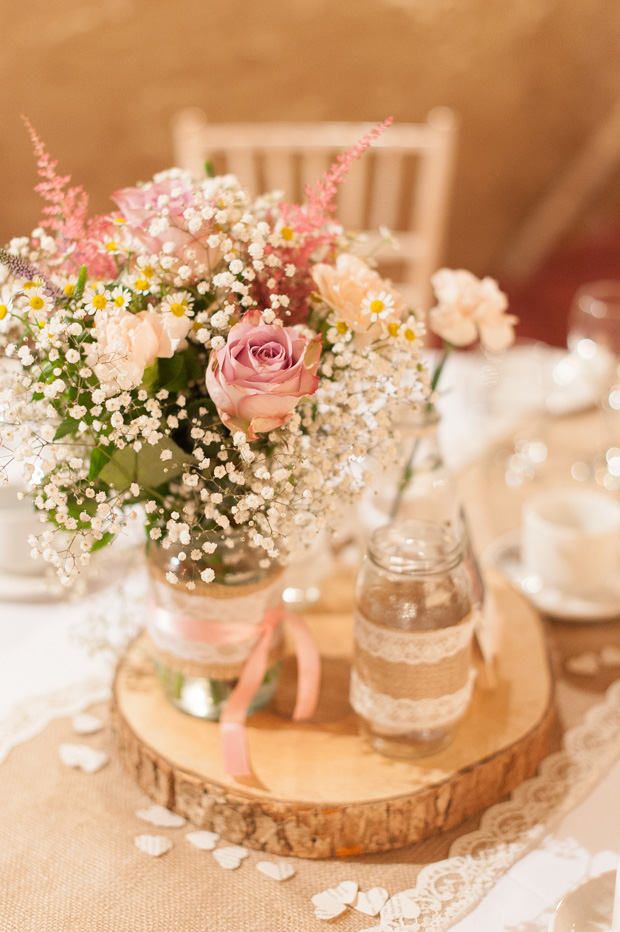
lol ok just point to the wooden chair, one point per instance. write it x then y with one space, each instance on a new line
384 188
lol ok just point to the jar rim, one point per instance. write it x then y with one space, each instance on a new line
416 547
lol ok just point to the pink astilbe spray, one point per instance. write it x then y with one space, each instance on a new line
314 230
79 238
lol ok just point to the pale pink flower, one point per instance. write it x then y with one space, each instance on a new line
141 206
258 377
469 308
354 291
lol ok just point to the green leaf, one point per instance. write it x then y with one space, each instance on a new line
107 538
150 376
145 467
209 170
98 459
80 284
195 371
173 373
68 426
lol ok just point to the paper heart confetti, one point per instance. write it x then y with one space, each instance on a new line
155 845
327 906
83 757
400 906
231 857
159 815
346 891
277 870
371 902
86 724
583 664
206 841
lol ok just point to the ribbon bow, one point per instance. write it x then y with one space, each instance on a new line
232 720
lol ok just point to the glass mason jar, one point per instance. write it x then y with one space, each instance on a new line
412 677
197 673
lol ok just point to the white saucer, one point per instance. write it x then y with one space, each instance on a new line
505 555
588 908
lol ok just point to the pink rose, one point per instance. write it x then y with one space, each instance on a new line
257 379
140 207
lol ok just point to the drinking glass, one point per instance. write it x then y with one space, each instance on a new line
594 338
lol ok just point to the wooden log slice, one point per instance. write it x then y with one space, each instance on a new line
318 790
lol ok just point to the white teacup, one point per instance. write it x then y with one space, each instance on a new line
18 520
570 539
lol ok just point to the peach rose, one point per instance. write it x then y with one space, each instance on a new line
126 344
258 377
359 296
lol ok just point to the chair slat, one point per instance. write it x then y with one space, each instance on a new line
242 163
386 192
279 170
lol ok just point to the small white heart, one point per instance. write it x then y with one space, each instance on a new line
327 906
278 870
371 902
400 906
155 845
86 724
583 664
206 841
229 858
346 891
159 815
610 656
83 757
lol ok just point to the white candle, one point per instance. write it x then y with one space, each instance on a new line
615 922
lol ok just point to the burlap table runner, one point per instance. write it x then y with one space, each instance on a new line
68 862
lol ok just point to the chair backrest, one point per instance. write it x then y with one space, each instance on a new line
402 183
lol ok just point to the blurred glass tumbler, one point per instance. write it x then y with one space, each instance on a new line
412 677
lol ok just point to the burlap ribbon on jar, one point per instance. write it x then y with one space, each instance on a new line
409 680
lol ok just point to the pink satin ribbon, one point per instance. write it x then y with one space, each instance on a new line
232 720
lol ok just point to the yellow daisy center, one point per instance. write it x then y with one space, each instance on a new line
3 311
409 334
287 234
341 327
100 302
119 301
393 330
148 270
376 306
29 285
197 326
142 284
41 324
177 309
69 290
37 303
111 247
119 220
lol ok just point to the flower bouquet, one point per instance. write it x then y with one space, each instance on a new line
221 363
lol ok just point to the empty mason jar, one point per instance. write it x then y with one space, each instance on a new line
412 677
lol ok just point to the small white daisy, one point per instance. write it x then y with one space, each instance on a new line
378 304
96 298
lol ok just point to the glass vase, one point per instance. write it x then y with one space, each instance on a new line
197 672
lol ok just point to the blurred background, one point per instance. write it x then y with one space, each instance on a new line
535 84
